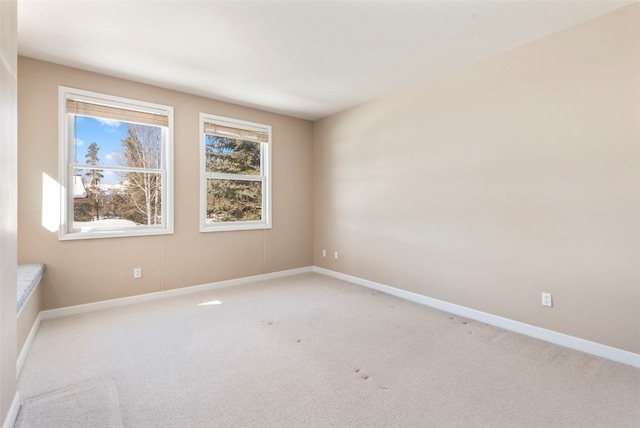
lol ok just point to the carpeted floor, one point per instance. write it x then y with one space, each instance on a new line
92 403
310 351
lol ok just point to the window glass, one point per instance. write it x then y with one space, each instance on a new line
117 162
235 186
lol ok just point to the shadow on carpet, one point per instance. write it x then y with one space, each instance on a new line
93 402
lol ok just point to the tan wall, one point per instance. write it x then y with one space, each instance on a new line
84 271
8 203
27 317
502 180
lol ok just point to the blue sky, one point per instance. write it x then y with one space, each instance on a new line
107 134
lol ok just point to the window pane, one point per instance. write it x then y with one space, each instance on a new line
101 202
116 143
232 156
235 166
233 200
118 154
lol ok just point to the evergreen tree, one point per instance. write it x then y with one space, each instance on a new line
228 199
90 210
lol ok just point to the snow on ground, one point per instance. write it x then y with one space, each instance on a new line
109 222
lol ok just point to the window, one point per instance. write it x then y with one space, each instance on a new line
235 184
115 166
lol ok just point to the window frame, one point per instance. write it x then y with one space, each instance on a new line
67 165
265 175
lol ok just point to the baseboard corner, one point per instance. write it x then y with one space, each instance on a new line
22 356
12 415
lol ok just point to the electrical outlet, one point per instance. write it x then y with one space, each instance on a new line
137 273
335 255
546 299
324 253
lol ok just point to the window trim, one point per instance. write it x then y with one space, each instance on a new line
265 164
66 166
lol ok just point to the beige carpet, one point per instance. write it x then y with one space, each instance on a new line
92 403
314 351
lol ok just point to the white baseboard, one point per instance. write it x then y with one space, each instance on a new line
10 420
593 348
586 346
106 304
27 344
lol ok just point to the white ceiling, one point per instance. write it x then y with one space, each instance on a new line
307 59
